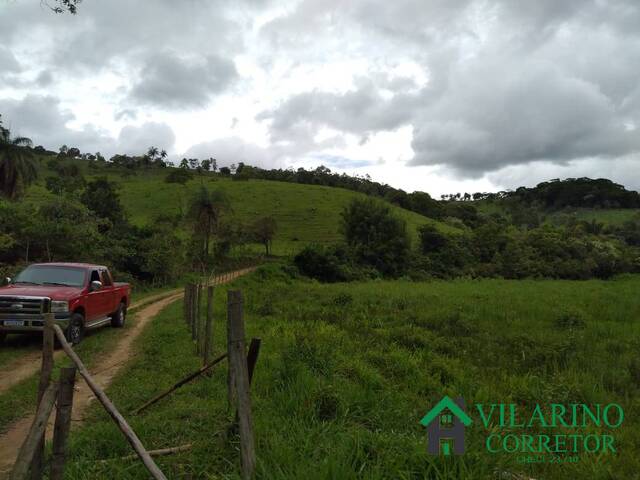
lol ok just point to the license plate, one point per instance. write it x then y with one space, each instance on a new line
14 323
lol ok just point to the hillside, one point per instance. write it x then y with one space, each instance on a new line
304 213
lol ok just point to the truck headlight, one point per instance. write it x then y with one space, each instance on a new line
59 307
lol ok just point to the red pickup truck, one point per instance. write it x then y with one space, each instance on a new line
80 295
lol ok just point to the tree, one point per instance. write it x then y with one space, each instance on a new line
263 230
17 168
205 211
101 197
431 239
178 175
226 171
377 237
184 163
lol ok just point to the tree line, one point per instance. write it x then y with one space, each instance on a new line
376 243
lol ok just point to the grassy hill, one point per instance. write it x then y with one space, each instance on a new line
304 213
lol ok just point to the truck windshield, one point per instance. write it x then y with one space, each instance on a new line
48 275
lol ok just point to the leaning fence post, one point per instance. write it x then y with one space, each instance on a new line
240 381
208 331
45 380
63 422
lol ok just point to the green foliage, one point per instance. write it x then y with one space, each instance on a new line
375 236
206 209
178 175
17 167
101 197
324 263
263 230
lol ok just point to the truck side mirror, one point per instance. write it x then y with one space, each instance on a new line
96 285
7 281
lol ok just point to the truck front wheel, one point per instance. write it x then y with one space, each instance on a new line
75 330
118 318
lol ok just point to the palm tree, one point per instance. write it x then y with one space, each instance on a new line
17 168
205 211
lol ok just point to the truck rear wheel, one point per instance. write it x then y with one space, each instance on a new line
75 330
118 318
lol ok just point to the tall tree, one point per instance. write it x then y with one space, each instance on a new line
17 168
263 231
205 210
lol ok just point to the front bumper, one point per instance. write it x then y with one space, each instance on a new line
30 323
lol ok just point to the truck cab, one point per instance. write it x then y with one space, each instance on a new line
81 296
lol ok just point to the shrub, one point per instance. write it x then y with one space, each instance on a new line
322 263
376 236
178 175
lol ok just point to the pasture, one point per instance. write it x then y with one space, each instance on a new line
348 370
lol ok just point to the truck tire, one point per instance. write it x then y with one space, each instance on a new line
118 318
75 330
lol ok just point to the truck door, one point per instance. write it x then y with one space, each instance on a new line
95 299
109 292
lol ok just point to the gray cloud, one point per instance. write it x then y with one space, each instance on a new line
360 111
172 81
8 62
42 119
510 83
135 139
234 150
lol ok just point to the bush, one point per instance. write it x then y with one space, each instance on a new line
178 175
376 237
322 263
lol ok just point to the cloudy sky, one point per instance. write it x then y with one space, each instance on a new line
435 95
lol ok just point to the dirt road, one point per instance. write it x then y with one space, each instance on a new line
103 373
29 363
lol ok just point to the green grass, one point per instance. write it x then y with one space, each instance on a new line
346 372
304 213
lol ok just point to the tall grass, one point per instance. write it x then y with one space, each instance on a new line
347 371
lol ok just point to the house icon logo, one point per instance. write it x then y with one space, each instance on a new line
445 426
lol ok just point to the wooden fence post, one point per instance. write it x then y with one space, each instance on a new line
45 379
185 303
240 380
192 312
208 331
199 337
32 443
63 422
